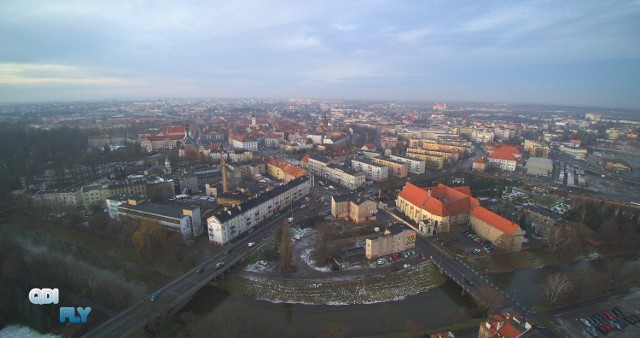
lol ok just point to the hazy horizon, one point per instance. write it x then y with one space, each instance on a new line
573 53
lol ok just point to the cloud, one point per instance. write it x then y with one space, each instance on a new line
39 74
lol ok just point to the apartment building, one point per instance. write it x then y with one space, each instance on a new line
234 221
352 206
374 171
243 142
396 168
416 166
328 169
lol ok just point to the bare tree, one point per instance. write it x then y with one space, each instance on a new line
557 286
554 236
285 249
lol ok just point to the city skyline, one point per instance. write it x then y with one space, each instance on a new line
573 53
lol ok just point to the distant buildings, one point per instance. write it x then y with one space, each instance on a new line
243 142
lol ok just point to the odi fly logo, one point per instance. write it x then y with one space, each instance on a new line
67 313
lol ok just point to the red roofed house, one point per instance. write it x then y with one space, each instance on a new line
478 164
500 231
506 157
238 141
504 325
436 209
273 140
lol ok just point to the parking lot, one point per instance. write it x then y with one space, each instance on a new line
617 316
467 243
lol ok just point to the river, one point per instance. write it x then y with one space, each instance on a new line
360 320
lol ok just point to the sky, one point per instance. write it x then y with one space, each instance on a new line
551 52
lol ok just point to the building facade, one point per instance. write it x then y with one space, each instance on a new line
393 240
396 168
416 166
235 221
374 171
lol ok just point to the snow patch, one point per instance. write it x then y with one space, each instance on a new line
306 258
23 331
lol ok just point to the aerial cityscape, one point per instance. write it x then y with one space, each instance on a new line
356 169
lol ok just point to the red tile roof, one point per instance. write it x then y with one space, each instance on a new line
413 194
440 200
506 152
495 220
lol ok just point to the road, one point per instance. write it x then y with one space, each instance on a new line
182 288
456 269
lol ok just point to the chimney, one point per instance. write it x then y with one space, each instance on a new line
223 162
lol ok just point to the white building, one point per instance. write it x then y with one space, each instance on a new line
243 142
185 220
235 221
374 171
331 171
416 166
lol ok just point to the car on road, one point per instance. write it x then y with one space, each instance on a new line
251 230
251 244
154 296
468 281
200 269
228 252
406 265
219 265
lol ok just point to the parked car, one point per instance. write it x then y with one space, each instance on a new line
380 262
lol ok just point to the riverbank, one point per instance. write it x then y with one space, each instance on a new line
336 291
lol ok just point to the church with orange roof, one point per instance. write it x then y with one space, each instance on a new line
440 208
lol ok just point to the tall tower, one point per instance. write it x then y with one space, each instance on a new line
167 165
253 119
187 129
223 163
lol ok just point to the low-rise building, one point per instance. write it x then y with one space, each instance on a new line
506 158
501 232
243 142
59 197
283 171
478 164
617 165
504 325
394 239
185 220
353 206
273 140
373 171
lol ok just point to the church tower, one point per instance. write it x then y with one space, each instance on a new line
167 165
253 119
